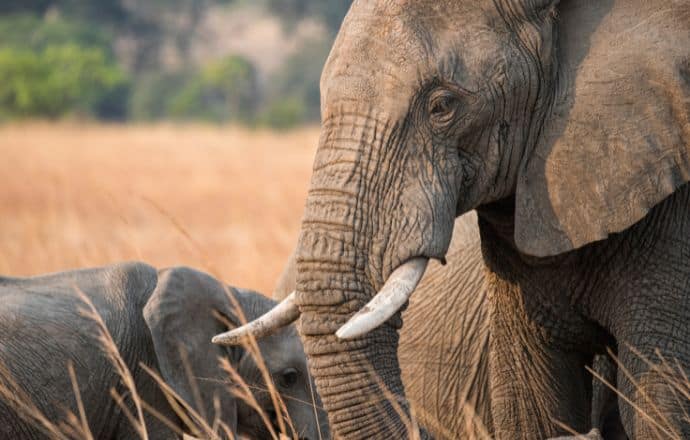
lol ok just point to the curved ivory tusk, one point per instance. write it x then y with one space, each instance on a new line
284 314
394 293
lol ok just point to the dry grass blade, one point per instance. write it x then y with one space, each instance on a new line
410 423
154 412
253 349
622 396
110 349
120 402
15 397
191 380
474 423
191 419
678 381
193 244
266 390
675 378
82 423
313 404
475 427
242 391
566 428
218 425
664 428
685 383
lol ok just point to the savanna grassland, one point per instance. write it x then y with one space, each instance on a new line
226 200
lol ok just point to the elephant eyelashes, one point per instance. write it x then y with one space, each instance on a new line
288 378
443 105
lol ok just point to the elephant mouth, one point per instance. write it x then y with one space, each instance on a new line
395 292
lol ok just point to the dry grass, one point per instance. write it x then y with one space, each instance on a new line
225 199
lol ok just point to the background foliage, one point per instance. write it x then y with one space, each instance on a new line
126 60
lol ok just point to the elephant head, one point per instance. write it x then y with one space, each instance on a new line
180 317
569 120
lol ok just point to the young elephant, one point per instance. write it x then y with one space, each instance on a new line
163 320
444 346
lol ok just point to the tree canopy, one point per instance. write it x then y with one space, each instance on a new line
105 59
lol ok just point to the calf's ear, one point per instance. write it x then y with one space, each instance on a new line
183 315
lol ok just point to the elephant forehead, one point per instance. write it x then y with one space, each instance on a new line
385 50
376 54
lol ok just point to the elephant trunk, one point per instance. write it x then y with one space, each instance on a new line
347 249
369 218
358 379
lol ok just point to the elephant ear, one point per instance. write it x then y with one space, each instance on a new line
180 316
618 139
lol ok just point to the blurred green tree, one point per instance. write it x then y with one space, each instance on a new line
284 113
27 31
153 92
60 80
224 90
298 81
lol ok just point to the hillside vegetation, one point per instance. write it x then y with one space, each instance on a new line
254 63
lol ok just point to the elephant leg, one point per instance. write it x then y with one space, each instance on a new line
654 356
539 384
605 412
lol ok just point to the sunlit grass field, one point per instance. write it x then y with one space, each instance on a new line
226 200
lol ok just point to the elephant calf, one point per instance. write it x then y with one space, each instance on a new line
162 320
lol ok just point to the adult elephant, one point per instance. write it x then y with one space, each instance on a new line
567 127
444 362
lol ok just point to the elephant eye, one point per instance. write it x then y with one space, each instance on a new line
288 378
442 106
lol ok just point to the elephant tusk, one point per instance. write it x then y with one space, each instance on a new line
280 316
392 296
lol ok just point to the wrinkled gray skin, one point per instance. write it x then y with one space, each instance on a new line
567 126
444 346
150 316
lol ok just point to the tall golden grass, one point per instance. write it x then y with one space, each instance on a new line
225 199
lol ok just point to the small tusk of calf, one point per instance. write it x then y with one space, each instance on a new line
393 295
282 315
